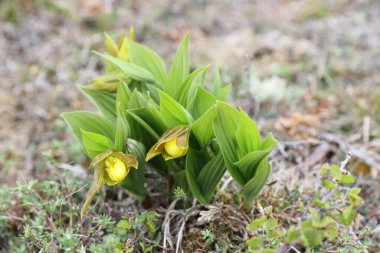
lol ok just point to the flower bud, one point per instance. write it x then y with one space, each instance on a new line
120 50
108 82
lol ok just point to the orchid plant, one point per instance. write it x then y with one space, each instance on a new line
168 121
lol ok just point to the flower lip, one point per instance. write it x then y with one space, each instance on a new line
116 169
173 149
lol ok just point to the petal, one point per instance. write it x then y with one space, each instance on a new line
183 140
172 133
129 159
154 151
99 158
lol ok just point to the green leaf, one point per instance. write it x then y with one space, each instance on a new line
119 246
139 115
202 127
271 224
122 130
331 233
123 96
353 196
319 222
148 59
253 187
247 135
254 242
292 235
328 184
172 112
179 70
95 144
197 77
203 175
132 70
147 113
248 164
310 236
348 215
90 122
324 170
256 224
354 191
137 100
348 179
220 92
273 234
225 125
210 176
135 181
181 180
195 160
200 103
335 172
103 100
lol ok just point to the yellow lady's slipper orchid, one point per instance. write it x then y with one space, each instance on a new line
110 168
173 143
120 50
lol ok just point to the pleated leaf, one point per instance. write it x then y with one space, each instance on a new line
148 59
220 92
225 125
103 100
132 70
135 181
203 174
95 144
250 190
195 78
123 96
202 127
122 130
90 122
247 135
201 102
179 70
172 112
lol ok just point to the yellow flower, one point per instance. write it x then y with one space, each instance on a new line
116 169
173 143
110 168
120 50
